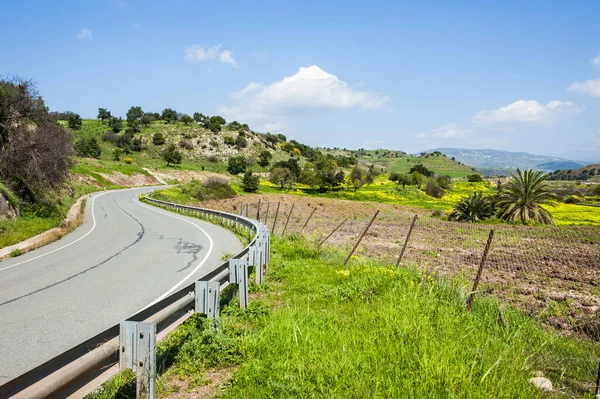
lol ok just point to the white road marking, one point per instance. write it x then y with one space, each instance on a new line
179 284
64 246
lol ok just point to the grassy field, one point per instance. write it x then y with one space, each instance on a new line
319 329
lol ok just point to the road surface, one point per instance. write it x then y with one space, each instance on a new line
124 256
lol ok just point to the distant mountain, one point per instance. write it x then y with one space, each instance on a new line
494 162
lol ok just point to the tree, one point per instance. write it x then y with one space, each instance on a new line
241 142
186 119
117 152
116 124
20 103
237 165
88 147
36 159
282 177
420 168
358 177
198 117
171 155
433 189
250 182
134 114
472 208
399 178
103 114
75 121
474 178
169 115
158 139
417 179
596 190
292 164
445 182
523 197
136 144
264 158
147 119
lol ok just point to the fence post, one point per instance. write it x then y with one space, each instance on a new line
276 213
598 382
361 237
267 215
258 211
480 270
238 274
412 225
287 221
330 234
308 220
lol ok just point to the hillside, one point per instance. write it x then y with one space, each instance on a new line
401 162
589 172
497 162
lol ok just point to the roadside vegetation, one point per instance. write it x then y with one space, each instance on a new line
317 328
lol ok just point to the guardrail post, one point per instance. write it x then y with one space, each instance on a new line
207 298
238 274
137 343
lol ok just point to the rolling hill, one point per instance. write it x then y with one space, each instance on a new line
589 172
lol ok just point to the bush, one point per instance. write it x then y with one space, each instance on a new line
282 177
136 144
117 152
186 119
573 200
596 190
116 124
74 121
214 188
158 139
250 182
128 160
186 144
88 147
474 178
229 140
264 158
110 136
241 142
171 155
444 182
213 158
422 170
237 165
433 189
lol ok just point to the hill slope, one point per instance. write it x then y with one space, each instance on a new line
500 162
589 172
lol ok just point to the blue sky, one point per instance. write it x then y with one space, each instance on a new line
517 76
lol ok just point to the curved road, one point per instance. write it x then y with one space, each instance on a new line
123 257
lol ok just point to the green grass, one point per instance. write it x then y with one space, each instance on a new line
319 329
571 214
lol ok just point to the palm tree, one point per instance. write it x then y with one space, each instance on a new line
473 208
523 196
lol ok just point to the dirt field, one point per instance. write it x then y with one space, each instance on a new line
552 272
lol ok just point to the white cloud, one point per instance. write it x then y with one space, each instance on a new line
449 131
590 87
310 89
197 54
596 61
85 34
528 112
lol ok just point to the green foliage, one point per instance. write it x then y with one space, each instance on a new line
250 182
474 208
136 144
444 182
88 147
282 177
237 164
359 177
229 140
74 121
292 164
117 153
241 142
169 115
597 190
433 189
171 155
523 197
474 178
198 117
264 158
401 178
147 119
417 179
134 115
186 119
116 124
158 139
211 189
103 114
420 168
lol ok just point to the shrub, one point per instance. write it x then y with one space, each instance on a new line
110 136
241 142
158 139
214 188
169 115
128 160
264 158
422 170
213 158
186 119
282 177
237 165
88 147
117 152
186 144
229 140
74 121
572 200
596 190
116 124
136 144
475 178
171 155
444 182
473 208
433 189
250 182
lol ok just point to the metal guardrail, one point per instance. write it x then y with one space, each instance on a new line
82 369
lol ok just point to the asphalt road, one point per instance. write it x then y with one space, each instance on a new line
123 257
